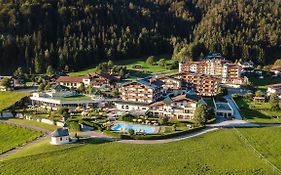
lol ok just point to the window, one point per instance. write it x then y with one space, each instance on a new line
60 139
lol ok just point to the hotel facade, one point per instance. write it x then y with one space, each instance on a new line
217 66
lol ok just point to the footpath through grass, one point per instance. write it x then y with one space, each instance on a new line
7 99
220 152
13 136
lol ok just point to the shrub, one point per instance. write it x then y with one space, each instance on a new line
163 120
131 131
127 118
150 60
248 97
73 125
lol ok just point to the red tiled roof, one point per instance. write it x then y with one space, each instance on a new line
70 79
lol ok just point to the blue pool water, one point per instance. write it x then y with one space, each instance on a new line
147 129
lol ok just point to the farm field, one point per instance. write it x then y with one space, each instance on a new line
206 154
9 98
130 63
13 136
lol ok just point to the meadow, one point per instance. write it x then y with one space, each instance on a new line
261 84
130 63
219 152
7 99
258 112
13 136
267 141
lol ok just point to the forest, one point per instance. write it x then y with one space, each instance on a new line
35 34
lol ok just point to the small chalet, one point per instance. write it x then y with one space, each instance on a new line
259 99
71 81
60 136
274 89
97 80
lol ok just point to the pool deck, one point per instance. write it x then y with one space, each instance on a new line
140 127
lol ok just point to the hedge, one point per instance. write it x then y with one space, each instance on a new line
153 136
212 120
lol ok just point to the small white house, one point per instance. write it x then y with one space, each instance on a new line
274 89
60 136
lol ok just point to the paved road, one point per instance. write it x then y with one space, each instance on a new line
237 114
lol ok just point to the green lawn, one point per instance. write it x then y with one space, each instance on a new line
130 63
262 83
13 136
258 112
7 99
77 98
207 154
267 141
35 123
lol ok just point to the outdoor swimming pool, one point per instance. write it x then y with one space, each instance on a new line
118 127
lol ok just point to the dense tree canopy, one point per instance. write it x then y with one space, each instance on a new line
77 33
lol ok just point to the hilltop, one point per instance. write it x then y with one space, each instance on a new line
80 33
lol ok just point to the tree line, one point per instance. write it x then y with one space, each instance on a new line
77 33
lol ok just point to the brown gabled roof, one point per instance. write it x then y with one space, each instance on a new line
275 86
192 98
276 68
70 79
105 76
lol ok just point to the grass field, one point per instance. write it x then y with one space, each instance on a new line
266 141
130 63
9 98
14 136
262 83
207 154
261 112
34 123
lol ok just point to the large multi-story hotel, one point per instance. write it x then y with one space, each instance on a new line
141 92
137 95
215 65
204 85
